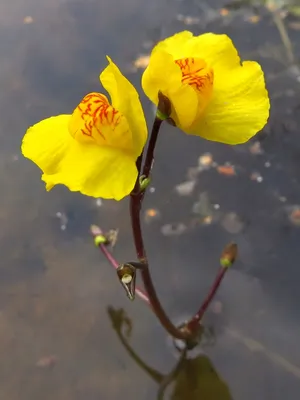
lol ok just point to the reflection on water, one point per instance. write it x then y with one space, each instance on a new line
193 378
56 340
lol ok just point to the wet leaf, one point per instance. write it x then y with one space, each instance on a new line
232 223
173 229
185 188
294 214
187 19
193 172
255 148
46 362
227 170
151 214
28 20
254 19
205 160
256 176
142 61
224 12
203 207
207 220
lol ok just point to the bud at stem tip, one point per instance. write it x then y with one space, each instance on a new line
164 107
99 239
229 255
144 182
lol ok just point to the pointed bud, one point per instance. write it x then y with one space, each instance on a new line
164 107
144 182
127 276
229 255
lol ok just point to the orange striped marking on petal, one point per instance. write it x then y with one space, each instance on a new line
199 76
94 120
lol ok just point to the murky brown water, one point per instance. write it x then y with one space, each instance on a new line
56 287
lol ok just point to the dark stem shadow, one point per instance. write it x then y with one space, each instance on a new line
192 378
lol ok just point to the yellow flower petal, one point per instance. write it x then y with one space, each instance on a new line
125 99
239 107
95 171
217 51
47 142
176 45
162 74
185 105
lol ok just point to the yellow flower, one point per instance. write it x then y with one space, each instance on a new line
212 93
94 150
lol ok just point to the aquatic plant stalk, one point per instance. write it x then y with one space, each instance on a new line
136 199
194 322
227 259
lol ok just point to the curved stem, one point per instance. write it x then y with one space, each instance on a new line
135 207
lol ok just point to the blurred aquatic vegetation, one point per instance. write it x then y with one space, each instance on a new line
279 10
291 5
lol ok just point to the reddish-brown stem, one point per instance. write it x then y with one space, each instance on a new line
135 206
194 322
151 147
136 199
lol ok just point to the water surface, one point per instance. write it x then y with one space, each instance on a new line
56 287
